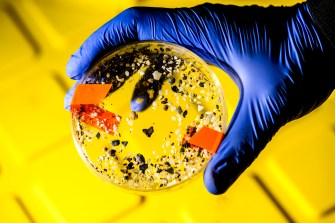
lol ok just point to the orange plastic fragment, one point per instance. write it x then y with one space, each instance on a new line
90 93
97 117
207 138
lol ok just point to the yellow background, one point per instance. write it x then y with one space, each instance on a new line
43 179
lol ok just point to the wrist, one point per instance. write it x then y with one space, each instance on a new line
323 14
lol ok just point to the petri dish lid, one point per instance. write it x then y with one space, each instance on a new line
148 116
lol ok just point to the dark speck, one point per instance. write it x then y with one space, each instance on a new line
130 166
170 170
143 167
98 135
115 142
172 80
139 158
112 152
184 113
148 132
175 89
179 110
164 101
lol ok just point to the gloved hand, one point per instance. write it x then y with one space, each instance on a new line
276 55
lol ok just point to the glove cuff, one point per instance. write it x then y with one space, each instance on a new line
323 13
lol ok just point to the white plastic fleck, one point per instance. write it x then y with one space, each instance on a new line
157 75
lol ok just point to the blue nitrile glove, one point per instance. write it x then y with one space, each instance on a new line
282 64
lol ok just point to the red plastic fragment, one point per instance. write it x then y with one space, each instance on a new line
97 117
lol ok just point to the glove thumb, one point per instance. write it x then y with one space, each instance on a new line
251 128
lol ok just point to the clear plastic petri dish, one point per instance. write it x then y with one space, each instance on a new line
148 116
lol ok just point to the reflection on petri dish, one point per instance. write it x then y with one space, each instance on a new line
138 110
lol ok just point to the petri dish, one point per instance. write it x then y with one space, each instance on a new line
148 116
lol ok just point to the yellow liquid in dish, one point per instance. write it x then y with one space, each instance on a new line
149 150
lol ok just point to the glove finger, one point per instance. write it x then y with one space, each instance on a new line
141 98
252 127
186 27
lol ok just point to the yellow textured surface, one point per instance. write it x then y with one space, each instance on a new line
10 208
43 179
14 47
